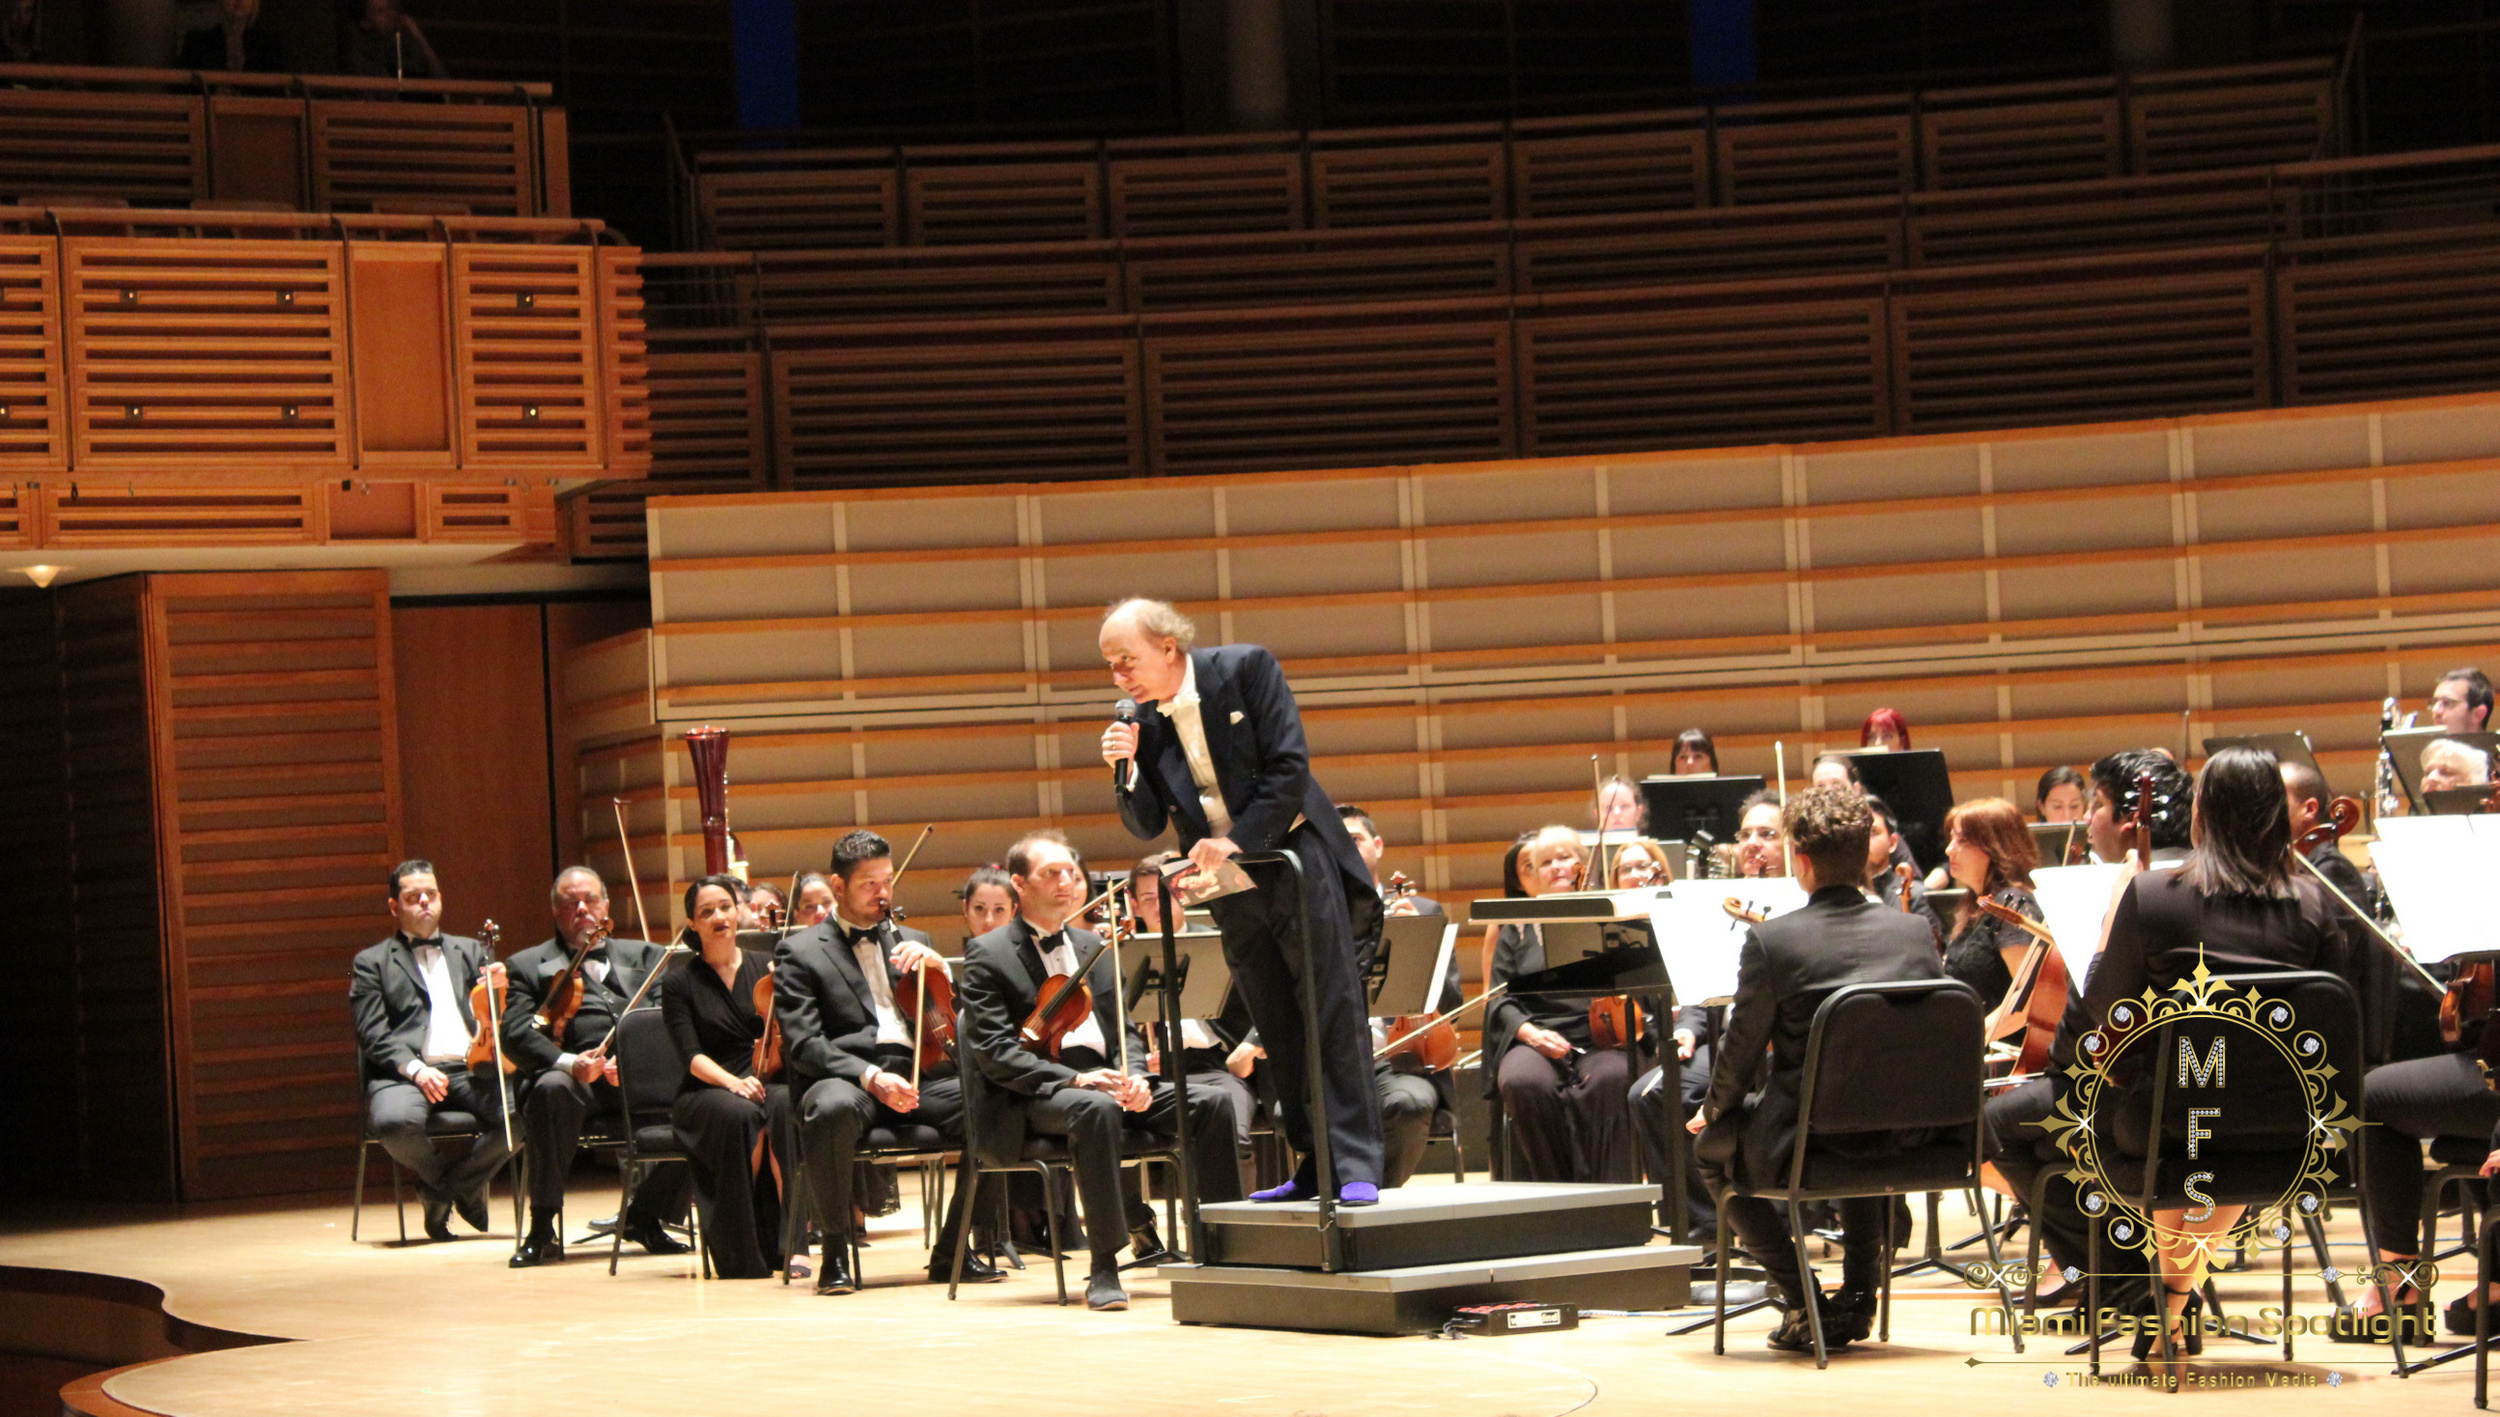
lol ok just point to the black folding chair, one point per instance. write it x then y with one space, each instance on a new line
440 1127
648 1072
909 1145
1901 1057
2253 1143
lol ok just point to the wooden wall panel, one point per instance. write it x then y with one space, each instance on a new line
472 694
527 345
39 1013
33 431
276 766
1464 637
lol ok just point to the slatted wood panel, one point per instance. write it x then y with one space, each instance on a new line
959 282
17 521
605 524
224 351
2100 342
2148 213
99 514
1034 201
1715 245
274 738
526 345
2071 141
2370 316
1608 173
472 155
1796 358
914 410
143 147
624 445
1291 394
709 426
1401 186
33 432
2184 129
1406 263
124 1067
1210 193
1464 637
1828 157
814 207
498 513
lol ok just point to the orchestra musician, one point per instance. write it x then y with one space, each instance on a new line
769 908
2461 701
410 998
2060 797
1082 1093
1621 810
1563 1098
2113 783
1220 757
811 900
561 1080
850 1052
1885 852
2236 904
989 900
1748 1121
1835 770
2447 763
1991 855
1885 728
1695 755
1761 838
722 1109
1209 1054
1640 864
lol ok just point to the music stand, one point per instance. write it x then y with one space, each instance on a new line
1918 787
2404 748
2286 747
1405 977
2458 801
1201 975
2055 841
1681 807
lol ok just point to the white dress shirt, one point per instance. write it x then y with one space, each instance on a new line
1060 956
1183 711
870 953
446 1035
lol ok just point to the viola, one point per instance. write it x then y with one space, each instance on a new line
1613 1021
1064 1006
1908 876
768 1046
1430 1041
927 998
1750 914
2042 985
486 1006
564 996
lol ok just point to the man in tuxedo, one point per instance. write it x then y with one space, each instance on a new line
1748 1123
1220 758
849 1050
1083 1093
560 1081
410 998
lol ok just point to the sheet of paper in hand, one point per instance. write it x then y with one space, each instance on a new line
1191 886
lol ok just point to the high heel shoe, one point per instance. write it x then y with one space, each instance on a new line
2190 1340
2415 1321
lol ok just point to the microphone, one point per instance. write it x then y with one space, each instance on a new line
1125 711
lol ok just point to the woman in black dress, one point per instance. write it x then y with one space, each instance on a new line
1990 853
1563 1097
722 1110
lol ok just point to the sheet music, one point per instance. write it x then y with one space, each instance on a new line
2075 902
2443 876
1700 941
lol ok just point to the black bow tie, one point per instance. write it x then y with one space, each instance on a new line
857 938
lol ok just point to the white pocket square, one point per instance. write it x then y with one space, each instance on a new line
1236 718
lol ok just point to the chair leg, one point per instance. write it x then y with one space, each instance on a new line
1812 1292
793 1215
624 1202
1718 1333
963 1236
1883 1306
1050 1219
2482 1313
356 1213
399 1202
2005 1297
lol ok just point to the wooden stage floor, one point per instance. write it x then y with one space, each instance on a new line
446 1330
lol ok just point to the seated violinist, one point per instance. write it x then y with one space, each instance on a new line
566 1076
849 1050
1074 1086
410 998
1748 1123
1562 1094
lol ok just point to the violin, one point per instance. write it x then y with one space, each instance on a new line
767 1046
1908 876
564 996
1064 1006
1435 1038
1738 910
486 1006
2043 986
927 998
1613 1021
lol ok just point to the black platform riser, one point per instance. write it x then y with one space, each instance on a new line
1455 1241
1374 1312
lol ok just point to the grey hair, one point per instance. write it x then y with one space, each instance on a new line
2474 760
555 891
1158 618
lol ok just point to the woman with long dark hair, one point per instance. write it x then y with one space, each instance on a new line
722 1108
1990 854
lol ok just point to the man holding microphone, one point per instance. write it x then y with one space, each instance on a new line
1218 754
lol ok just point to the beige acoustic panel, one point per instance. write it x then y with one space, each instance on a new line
2448 563
2086 460
2328 573
1320 566
1143 568
1702 548
2437 500
2049 527
1287 507
1890 474
1952 532
1526 557
2433 429
2220 449
1940 598
2304 509
1691 484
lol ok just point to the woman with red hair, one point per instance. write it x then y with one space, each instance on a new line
1885 728
1990 853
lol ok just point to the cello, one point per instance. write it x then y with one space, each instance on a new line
2042 985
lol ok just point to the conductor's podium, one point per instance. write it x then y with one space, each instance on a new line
1411 1260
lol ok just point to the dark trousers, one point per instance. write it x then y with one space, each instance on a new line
1761 1227
400 1112
2021 1152
1569 1120
1263 946
1092 1122
1656 1107
741 1201
2408 1104
553 1109
1407 1103
835 1114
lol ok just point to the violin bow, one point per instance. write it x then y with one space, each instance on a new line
1086 966
1437 1019
2363 916
626 843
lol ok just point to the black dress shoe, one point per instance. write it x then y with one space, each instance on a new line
1851 1315
976 1271
654 1239
437 1216
542 1247
1795 1333
472 1208
1145 1246
1103 1293
834 1275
